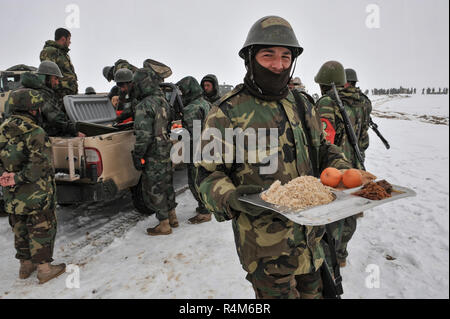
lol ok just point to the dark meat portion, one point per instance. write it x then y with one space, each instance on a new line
387 187
375 191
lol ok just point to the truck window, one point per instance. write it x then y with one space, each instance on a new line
10 82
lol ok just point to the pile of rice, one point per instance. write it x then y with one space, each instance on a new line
300 193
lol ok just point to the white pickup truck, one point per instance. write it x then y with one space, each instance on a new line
99 166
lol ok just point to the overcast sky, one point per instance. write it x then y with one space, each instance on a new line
395 42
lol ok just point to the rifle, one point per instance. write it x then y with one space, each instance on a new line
374 127
349 128
330 273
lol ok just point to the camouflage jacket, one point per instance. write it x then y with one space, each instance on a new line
59 54
25 149
215 94
358 109
195 106
54 120
151 122
269 234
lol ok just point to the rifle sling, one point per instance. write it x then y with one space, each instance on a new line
301 112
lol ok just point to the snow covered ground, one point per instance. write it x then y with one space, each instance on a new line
400 249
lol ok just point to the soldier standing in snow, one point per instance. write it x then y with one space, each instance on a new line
195 108
358 108
282 259
28 182
151 153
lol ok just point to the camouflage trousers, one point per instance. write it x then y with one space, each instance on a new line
275 279
34 236
157 187
349 228
191 171
342 231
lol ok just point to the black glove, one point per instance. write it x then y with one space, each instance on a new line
137 162
243 207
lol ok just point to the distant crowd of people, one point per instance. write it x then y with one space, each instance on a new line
410 91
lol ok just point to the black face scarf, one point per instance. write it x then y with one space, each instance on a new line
265 84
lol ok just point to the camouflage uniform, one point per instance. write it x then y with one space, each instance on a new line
358 109
151 127
54 121
68 85
195 108
215 94
274 251
25 149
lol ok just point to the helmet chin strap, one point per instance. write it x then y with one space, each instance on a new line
293 69
251 69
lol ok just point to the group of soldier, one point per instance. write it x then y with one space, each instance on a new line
282 259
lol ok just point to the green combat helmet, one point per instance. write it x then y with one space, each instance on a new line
49 68
331 72
351 75
273 31
123 76
108 73
25 99
89 90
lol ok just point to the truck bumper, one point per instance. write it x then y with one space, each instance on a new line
77 193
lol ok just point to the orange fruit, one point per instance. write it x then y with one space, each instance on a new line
352 178
331 176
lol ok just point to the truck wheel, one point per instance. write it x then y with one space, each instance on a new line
138 200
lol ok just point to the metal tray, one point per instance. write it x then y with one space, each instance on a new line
343 206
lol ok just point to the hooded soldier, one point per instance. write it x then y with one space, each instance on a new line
195 108
210 87
151 153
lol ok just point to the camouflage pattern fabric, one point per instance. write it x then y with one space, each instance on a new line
269 237
211 98
334 126
25 149
54 52
157 187
195 108
151 127
34 236
124 64
309 285
348 229
358 108
54 119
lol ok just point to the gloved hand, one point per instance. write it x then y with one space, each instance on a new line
137 162
242 207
